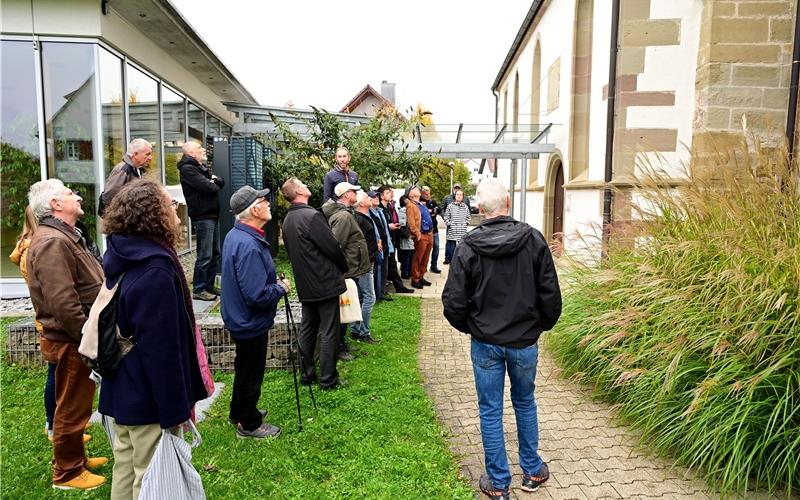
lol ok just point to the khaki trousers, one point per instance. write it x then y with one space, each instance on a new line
74 397
134 446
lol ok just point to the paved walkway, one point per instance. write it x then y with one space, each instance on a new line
588 454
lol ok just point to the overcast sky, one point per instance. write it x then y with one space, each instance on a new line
443 54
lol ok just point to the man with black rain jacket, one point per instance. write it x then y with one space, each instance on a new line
503 290
319 266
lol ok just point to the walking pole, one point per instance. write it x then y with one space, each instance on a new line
293 330
294 367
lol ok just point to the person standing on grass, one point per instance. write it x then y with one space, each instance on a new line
392 216
503 290
339 173
64 278
359 330
457 219
345 229
201 190
250 295
159 380
318 265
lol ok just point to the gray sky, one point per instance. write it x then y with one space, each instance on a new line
443 54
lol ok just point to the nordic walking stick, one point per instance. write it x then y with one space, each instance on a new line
293 331
291 357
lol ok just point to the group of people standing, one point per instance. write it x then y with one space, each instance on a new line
357 234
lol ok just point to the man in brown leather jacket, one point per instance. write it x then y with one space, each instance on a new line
64 278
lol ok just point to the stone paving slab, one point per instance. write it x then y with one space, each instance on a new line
589 455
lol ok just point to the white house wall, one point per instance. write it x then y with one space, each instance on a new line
49 17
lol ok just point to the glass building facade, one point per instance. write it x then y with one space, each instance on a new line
69 108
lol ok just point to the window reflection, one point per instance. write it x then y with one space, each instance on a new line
19 142
68 78
111 99
173 125
197 123
212 122
143 114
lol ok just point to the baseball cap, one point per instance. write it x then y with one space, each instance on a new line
456 185
373 194
344 187
244 197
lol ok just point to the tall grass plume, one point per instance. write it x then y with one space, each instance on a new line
692 325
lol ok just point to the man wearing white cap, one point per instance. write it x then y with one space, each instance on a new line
346 231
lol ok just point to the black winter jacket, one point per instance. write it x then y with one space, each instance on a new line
200 191
317 260
502 287
366 225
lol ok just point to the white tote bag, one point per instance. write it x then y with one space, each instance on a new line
349 306
171 473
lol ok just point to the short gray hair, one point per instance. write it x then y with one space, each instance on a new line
137 145
42 193
189 146
426 189
245 214
492 196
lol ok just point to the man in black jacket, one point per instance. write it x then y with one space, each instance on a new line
503 290
360 330
319 266
133 166
392 219
201 190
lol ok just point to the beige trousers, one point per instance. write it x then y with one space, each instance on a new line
134 446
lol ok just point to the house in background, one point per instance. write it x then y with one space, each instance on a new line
368 101
80 79
687 72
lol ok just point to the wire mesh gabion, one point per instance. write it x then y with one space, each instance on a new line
23 342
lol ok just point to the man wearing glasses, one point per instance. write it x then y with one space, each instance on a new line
250 295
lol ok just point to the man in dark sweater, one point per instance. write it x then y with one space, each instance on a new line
503 290
201 190
319 266
339 173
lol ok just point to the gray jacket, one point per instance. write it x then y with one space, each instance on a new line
346 231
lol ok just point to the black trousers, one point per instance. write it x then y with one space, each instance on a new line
392 274
248 368
320 320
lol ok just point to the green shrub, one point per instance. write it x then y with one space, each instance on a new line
693 327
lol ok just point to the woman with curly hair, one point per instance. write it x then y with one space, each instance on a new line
159 380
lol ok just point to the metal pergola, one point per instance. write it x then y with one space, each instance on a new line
456 141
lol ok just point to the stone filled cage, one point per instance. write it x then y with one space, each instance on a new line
22 341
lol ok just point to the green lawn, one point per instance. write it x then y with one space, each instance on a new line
376 438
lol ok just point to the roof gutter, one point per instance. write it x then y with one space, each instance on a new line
612 94
791 117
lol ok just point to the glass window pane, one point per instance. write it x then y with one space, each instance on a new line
68 77
143 113
213 126
197 123
173 125
226 130
19 142
111 99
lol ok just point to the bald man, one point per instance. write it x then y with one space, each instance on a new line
201 190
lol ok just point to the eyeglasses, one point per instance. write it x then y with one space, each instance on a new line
174 204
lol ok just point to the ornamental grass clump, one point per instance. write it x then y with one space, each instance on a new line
692 325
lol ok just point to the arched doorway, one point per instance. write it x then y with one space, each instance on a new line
556 199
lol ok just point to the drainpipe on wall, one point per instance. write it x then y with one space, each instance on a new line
612 94
496 124
791 117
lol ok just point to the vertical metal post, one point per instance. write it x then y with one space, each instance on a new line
612 91
523 189
511 188
125 104
38 75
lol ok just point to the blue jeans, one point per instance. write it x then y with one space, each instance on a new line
366 295
377 273
489 363
50 395
435 252
206 265
449 250
405 263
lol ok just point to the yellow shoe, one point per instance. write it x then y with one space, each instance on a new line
86 437
95 462
84 481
